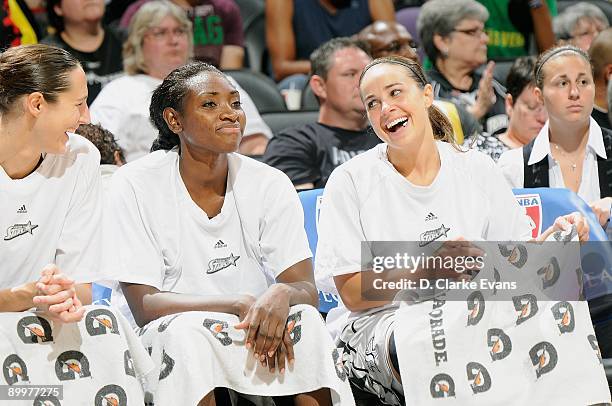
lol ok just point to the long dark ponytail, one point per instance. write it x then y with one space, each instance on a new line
441 126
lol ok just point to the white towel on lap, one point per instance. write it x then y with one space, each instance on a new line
195 352
97 360
502 352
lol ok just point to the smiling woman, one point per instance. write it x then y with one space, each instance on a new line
400 191
50 254
213 259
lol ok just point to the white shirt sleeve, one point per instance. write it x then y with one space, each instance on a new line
507 219
107 110
254 122
79 245
340 232
511 165
283 239
134 255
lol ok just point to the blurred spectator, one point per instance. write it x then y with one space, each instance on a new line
158 42
511 24
610 100
310 152
111 154
18 25
452 34
78 29
295 28
601 59
217 30
579 24
390 38
527 114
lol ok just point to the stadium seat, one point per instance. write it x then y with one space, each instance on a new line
249 9
279 121
408 18
309 100
255 43
261 88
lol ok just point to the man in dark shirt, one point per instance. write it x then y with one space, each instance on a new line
309 153
601 59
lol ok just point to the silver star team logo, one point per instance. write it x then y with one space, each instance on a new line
218 264
19 229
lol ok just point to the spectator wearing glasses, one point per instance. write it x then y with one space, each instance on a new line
158 42
579 24
218 38
387 38
79 30
453 36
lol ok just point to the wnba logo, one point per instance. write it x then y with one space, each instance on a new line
442 386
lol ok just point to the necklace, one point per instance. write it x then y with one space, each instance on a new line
572 162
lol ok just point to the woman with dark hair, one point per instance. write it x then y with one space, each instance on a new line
50 253
400 191
571 150
526 113
79 30
213 258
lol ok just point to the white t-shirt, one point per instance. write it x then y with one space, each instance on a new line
53 215
122 107
162 238
366 199
511 163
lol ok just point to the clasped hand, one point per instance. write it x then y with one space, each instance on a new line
57 297
267 335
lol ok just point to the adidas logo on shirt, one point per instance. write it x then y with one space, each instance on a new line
220 244
22 209
431 217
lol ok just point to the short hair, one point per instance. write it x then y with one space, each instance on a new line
520 76
441 17
600 52
172 93
148 16
104 140
564 23
441 126
553 53
27 69
322 58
